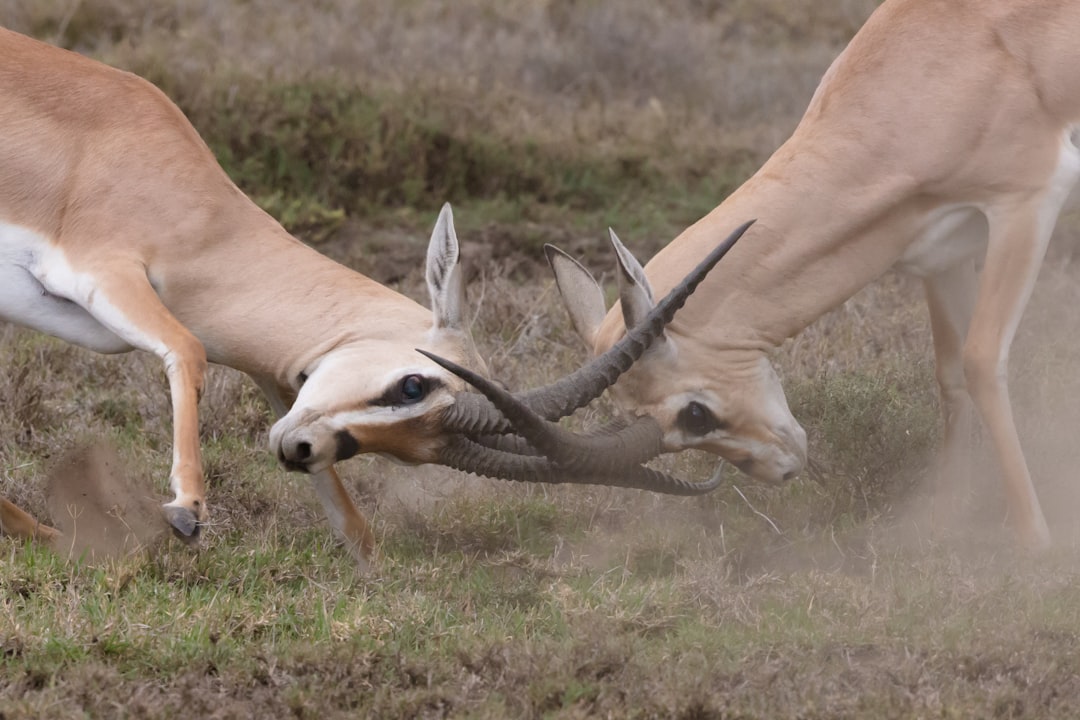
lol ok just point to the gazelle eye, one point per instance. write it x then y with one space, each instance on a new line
697 419
301 379
412 389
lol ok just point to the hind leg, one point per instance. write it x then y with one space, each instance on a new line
16 522
950 296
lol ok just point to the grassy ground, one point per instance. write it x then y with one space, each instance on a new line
839 595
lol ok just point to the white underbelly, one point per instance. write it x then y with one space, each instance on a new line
952 235
25 301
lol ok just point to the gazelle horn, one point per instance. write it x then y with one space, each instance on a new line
472 414
600 452
463 454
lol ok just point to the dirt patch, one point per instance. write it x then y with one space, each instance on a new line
101 510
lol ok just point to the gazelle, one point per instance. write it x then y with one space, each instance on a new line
941 138
119 231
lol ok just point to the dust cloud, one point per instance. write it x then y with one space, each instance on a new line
102 511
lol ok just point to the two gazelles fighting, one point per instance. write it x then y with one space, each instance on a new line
119 231
941 140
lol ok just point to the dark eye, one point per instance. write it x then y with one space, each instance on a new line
412 389
301 379
697 419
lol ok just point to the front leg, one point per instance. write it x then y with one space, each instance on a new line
1018 238
185 366
348 522
121 298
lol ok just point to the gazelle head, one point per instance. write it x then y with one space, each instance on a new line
376 394
372 392
703 395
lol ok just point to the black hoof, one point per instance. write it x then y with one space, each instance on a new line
184 523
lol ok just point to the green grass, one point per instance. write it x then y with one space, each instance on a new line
279 622
827 597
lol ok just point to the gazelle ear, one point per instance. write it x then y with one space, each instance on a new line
580 293
635 293
444 277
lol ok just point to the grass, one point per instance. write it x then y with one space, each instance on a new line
838 595
824 598
281 625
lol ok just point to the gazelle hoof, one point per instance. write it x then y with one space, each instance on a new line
184 523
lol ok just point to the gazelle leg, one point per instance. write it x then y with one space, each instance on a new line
16 522
950 296
349 524
346 519
124 302
1018 239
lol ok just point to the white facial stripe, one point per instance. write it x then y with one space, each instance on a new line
359 365
403 370
379 416
771 416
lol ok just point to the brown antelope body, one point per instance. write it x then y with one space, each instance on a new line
119 231
942 139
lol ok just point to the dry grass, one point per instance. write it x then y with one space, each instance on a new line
496 600
830 597
318 108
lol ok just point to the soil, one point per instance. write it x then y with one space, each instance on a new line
102 511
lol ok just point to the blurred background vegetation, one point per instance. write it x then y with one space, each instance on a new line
321 110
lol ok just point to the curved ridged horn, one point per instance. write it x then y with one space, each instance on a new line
508 443
463 454
602 452
561 398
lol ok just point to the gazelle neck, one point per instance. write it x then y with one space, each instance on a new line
288 303
813 246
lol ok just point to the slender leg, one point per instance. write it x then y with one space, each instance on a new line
346 519
123 300
16 522
950 296
1018 239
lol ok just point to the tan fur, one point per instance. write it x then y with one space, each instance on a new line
936 105
145 231
18 523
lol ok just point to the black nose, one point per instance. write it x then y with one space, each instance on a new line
790 475
295 457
